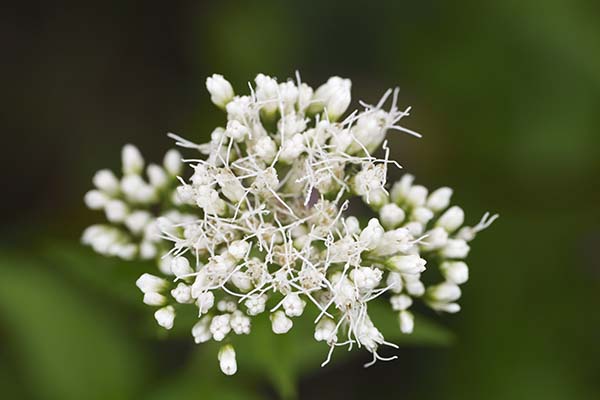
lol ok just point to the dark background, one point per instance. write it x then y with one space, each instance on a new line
506 93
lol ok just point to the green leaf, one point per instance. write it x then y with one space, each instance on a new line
64 345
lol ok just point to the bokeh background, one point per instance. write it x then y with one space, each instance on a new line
506 93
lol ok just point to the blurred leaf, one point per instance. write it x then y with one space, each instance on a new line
284 358
201 378
68 348
110 276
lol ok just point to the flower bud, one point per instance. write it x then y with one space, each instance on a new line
265 149
180 267
205 301
400 302
452 219
227 360
172 162
400 188
325 330
137 221
391 215
182 294
407 322
334 96
95 199
157 176
455 248
416 196
267 93
352 225
372 234
236 130
242 281
148 283
366 278
240 323
406 264
436 238
280 323
422 215
238 249
305 94
154 299
256 304
219 326
106 181
201 331
394 281
439 199
455 271
293 305
165 317
445 292
133 162
147 250
220 90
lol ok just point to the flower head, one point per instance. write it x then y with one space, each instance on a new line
261 222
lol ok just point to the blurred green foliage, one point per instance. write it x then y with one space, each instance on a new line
506 94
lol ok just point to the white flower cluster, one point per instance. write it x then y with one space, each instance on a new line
261 223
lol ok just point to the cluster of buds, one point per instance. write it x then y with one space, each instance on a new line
261 222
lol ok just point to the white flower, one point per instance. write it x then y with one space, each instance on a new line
416 196
157 176
265 149
436 238
180 266
394 282
240 323
280 323
154 299
148 283
264 216
439 199
136 221
106 181
165 316
407 322
422 215
400 302
407 264
391 216
133 162
219 326
267 93
293 305
372 234
95 199
220 90
452 219
227 360
325 330
201 330
172 162
236 130
116 211
445 292
182 294
455 271
239 248
455 248
366 278
334 96
256 304
401 188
